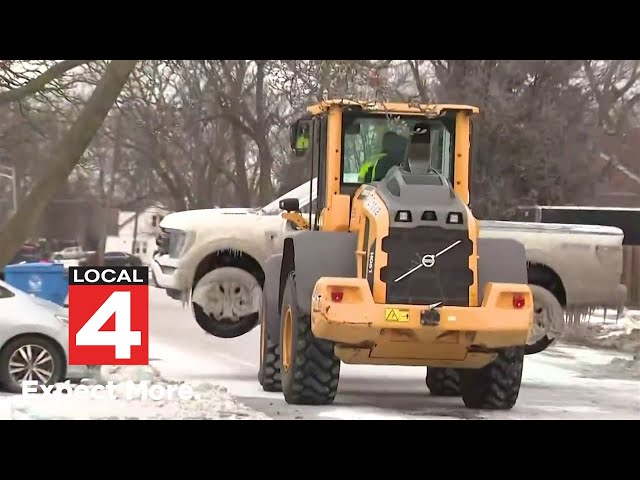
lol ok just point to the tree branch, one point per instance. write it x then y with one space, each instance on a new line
38 83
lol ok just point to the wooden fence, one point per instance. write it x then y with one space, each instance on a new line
631 275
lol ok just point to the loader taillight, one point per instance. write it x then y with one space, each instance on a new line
337 295
518 300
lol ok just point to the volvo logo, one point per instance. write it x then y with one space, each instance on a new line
428 261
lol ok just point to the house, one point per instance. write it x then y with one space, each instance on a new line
137 237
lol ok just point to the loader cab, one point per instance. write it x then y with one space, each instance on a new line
343 137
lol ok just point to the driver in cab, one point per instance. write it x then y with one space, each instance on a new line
394 148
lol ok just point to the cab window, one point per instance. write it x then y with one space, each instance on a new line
373 143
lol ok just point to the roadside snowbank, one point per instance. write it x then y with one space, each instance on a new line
623 335
630 367
210 401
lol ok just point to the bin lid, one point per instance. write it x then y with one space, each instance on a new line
39 267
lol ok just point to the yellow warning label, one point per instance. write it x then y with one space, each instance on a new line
396 315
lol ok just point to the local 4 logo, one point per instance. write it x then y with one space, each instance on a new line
108 315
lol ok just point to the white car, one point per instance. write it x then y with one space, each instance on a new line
221 252
69 253
33 340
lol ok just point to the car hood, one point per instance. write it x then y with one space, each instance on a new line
192 219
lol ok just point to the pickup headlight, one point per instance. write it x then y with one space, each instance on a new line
179 242
62 319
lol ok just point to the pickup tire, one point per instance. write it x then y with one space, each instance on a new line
228 291
443 382
310 369
546 308
269 372
495 386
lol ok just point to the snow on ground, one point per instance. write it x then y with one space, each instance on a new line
564 382
608 332
209 401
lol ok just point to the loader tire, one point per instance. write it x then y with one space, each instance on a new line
269 372
310 370
495 386
443 382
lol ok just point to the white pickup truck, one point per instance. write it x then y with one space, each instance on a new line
214 260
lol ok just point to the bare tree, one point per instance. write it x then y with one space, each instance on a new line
191 134
531 137
613 86
65 157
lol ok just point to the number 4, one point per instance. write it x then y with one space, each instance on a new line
122 338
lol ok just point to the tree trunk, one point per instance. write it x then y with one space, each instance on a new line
242 186
64 158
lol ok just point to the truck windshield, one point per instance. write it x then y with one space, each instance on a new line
373 143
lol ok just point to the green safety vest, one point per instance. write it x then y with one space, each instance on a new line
302 143
369 165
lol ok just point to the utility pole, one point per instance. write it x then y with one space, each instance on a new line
135 233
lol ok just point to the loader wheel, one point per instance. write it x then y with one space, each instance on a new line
310 369
495 386
269 372
443 382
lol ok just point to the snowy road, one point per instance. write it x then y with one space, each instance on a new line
562 383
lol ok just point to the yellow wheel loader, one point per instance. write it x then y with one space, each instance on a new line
387 267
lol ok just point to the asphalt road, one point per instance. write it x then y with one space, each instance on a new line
565 382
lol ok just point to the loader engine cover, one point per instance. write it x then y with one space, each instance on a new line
426 237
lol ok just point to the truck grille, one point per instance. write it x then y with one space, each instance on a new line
163 242
447 281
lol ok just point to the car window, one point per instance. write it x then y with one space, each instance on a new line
4 293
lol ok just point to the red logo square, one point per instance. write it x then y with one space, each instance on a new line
108 323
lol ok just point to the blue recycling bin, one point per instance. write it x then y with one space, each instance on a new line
45 280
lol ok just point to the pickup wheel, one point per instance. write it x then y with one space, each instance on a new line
226 302
443 382
310 368
269 372
495 386
547 310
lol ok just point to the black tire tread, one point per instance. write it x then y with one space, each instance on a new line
443 382
315 369
224 329
540 346
271 367
495 386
